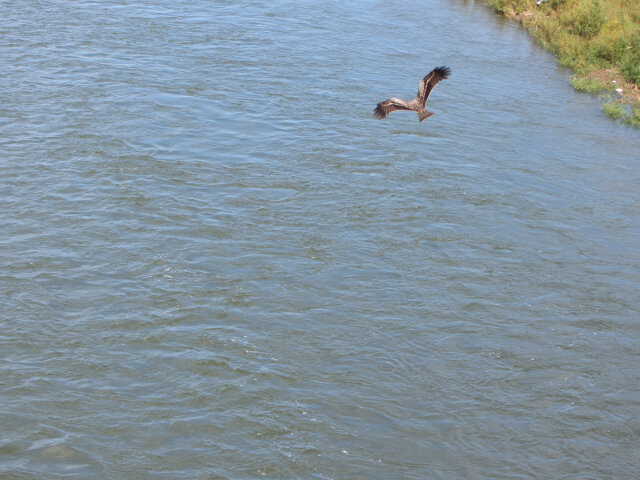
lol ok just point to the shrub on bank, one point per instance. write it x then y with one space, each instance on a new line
598 39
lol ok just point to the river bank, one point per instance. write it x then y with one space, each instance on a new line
598 39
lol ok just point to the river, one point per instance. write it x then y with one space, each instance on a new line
215 264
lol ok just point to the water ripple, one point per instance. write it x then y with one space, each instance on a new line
216 264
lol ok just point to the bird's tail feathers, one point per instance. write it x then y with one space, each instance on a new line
424 114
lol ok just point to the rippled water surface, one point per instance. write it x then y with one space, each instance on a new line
214 263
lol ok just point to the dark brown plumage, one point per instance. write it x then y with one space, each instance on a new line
417 104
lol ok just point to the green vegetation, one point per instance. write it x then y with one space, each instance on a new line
598 39
613 110
590 85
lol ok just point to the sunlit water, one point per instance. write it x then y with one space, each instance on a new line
214 263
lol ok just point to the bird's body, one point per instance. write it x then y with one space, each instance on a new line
417 104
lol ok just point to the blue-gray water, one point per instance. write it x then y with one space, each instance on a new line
215 264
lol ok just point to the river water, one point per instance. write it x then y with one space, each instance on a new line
215 264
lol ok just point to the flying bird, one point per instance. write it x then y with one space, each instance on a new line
417 105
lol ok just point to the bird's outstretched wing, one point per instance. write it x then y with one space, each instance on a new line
385 108
430 80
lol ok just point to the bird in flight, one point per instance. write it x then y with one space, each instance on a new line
417 105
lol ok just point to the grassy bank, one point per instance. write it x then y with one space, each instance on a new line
598 39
